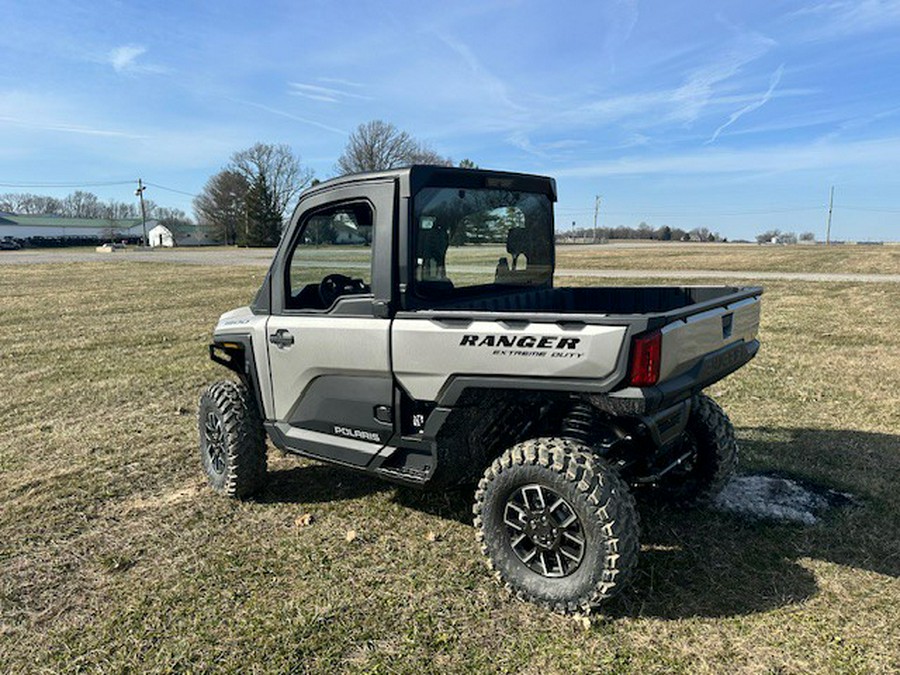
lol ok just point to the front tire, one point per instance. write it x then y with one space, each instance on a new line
232 440
557 524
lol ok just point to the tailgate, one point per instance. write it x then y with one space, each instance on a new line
428 352
687 340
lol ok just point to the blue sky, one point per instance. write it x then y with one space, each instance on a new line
734 116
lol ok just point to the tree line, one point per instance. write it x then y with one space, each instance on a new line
779 237
81 204
642 231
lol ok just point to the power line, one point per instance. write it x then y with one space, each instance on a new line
94 184
67 185
872 209
163 187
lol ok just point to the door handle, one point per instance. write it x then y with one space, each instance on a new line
281 338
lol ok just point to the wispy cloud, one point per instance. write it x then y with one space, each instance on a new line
291 116
548 149
319 93
624 17
124 59
781 158
483 79
701 90
566 144
750 107
843 18
695 94
66 128
520 140
50 112
339 81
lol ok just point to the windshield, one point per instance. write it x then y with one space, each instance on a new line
468 238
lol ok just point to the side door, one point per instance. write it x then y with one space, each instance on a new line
328 348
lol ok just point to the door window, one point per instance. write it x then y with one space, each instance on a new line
331 258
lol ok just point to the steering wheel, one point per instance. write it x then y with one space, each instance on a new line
334 286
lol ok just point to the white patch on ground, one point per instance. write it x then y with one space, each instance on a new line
775 498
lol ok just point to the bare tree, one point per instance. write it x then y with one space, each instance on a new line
788 238
221 206
9 203
117 210
769 236
700 234
283 174
82 204
170 213
175 220
379 145
27 204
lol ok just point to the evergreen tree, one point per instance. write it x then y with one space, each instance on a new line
263 224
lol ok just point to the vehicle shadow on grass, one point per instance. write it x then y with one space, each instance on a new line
701 562
315 483
706 563
311 482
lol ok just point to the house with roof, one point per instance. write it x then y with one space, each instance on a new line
160 237
183 235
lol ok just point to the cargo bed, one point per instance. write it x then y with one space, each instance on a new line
604 300
577 339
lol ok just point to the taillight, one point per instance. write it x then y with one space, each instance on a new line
645 354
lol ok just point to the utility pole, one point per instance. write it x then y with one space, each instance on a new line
140 193
596 211
828 226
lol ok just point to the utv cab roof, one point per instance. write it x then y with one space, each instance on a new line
413 178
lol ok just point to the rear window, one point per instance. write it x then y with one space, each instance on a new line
470 239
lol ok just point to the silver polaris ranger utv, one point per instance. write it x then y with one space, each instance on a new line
427 344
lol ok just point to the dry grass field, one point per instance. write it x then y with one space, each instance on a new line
115 556
735 257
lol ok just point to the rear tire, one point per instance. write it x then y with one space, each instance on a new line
557 524
232 440
714 460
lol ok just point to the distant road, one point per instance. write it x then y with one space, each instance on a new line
718 274
262 257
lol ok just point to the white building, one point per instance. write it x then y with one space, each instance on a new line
160 236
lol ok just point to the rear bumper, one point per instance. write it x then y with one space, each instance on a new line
711 368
